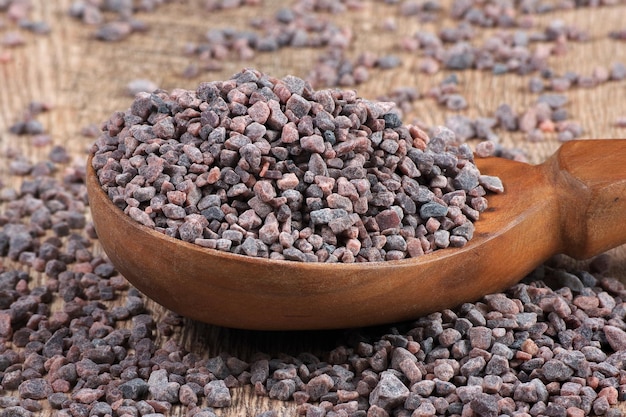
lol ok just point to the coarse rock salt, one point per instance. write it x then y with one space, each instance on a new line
280 157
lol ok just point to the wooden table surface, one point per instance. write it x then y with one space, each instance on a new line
85 81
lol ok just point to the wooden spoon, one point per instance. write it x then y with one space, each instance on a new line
574 203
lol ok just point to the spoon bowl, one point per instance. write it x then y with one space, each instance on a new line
574 203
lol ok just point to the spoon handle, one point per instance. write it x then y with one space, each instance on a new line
590 181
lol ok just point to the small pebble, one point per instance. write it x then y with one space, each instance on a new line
140 86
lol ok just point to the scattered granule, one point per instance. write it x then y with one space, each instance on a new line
14 20
12 39
620 121
121 25
619 35
27 124
213 5
41 140
113 31
140 86
618 71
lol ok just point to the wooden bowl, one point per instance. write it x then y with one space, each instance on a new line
522 228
